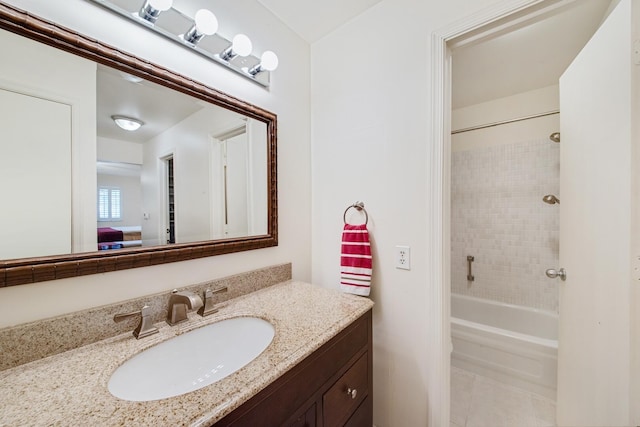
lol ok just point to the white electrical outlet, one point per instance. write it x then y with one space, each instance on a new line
403 257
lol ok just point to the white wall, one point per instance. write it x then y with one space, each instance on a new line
120 151
117 150
370 141
130 190
288 97
189 145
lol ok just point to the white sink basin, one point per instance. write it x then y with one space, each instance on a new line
192 360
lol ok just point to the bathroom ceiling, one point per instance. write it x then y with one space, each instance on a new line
312 19
529 58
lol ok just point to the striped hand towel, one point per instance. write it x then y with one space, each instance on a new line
355 260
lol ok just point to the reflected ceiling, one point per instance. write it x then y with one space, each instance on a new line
119 93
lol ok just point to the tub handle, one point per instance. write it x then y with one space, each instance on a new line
470 277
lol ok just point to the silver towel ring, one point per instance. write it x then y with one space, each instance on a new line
360 207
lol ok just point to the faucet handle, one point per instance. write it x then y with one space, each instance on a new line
145 327
209 307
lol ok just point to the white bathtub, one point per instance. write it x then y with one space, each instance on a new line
513 344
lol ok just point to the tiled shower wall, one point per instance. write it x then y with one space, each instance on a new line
498 216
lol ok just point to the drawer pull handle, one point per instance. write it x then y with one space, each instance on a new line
352 392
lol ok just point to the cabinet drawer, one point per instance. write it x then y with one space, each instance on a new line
342 399
363 417
308 419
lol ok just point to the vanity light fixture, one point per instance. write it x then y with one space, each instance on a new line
206 24
151 9
233 54
127 123
241 45
268 62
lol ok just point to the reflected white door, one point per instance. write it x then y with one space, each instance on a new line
594 360
236 175
36 152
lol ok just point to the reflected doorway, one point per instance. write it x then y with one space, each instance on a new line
170 219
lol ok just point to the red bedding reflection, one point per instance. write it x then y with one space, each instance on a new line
108 234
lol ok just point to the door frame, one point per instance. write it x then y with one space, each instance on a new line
163 199
505 16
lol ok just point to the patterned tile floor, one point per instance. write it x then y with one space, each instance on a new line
478 401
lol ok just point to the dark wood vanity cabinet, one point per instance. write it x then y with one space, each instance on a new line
331 387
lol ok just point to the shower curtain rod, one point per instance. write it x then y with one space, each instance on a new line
504 122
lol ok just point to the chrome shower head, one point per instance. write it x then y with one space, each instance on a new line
551 199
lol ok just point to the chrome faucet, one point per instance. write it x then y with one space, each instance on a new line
180 303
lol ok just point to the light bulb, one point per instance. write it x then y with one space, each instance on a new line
269 60
206 22
242 45
161 5
151 9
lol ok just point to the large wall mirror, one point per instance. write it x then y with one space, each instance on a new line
83 193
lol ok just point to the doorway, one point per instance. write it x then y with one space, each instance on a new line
499 20
169 200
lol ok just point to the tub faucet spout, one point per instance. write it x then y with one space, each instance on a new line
180 303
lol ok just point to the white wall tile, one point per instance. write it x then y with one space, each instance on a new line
498 216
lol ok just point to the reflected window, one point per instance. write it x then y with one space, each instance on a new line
109 204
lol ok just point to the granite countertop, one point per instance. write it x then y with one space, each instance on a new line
71 388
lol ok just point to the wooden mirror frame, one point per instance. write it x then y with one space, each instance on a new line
38 269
